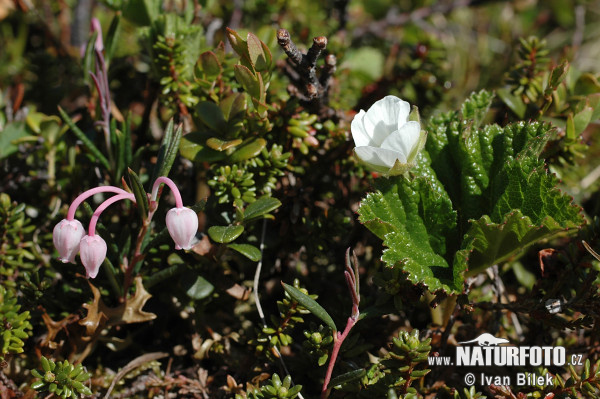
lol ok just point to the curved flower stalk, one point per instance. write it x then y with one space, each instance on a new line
67 234
387 138
182 222
92 246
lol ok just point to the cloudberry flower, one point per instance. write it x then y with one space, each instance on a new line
386 140
182 224
92 254
66 237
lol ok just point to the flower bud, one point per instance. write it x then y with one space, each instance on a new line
92 254
66 237
182 224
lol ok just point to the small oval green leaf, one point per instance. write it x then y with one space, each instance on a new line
248 150
249 251
261 207
225 234
222 145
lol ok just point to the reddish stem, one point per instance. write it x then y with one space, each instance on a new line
338 339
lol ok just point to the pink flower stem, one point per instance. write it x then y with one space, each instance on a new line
172 186
86 194
102 207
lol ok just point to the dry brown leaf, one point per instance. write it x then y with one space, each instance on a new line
130 311
95 318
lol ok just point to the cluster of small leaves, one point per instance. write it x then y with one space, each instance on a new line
174 46
484 196
274 389
536 89
584 383
401 366
15 238
291 313
61 379
527 75
14 325
318 343
169 53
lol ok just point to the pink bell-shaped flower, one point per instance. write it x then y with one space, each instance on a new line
92 253
66 237
182 224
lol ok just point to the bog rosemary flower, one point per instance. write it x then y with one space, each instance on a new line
93 247
388 137
67 234
182 223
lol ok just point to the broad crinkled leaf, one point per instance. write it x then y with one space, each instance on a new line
483 197
415 219
497 242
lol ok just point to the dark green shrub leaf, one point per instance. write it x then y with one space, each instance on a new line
249 251
225 234
347 377
261 207
310 304
249 149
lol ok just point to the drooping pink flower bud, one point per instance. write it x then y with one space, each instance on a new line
66 237
182 224
92 253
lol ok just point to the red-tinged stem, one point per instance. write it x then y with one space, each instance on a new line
338 339
138 256
172 186
86 194
102 207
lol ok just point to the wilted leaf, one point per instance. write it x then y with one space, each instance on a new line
130 311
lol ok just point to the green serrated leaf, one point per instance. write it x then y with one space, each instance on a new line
261 207
249 251
498 242
418 225
310 304
225 234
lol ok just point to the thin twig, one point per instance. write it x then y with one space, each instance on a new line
257 299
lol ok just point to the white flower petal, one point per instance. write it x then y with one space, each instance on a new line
382 118
379 156
360 135
404 139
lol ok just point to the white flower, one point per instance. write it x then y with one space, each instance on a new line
386 140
